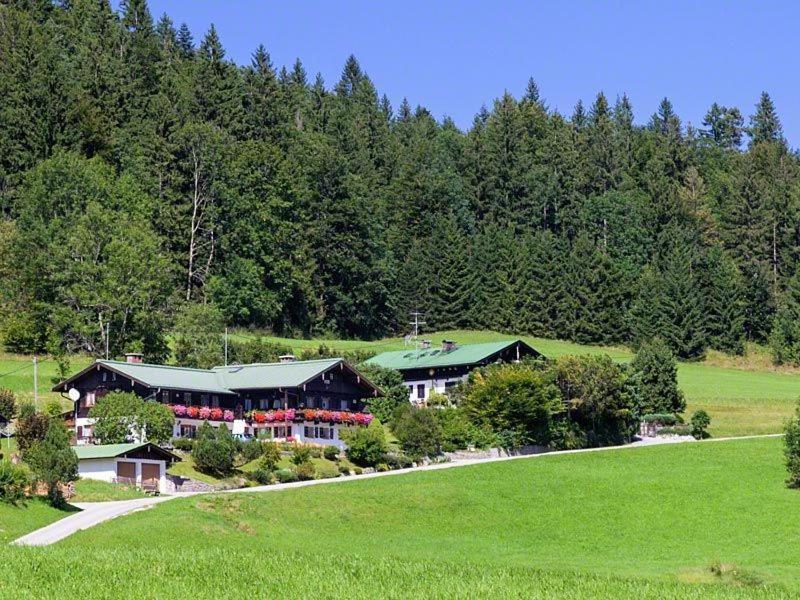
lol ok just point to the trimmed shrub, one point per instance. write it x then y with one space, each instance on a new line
366 446
285 476
344 470
305 471
662 418
676 430
263 476
13 482
270 456
418 431
183 444
315 451
326 471
252 450
214 451
699 424
398 460
382 467
300 455
358 470
331 453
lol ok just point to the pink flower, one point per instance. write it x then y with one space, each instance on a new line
178 410
205 413
336 417
227 415
269 417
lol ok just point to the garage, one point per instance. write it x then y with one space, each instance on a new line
143 465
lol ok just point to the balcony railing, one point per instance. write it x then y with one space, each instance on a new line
205 413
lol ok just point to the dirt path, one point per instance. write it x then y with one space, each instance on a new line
93 513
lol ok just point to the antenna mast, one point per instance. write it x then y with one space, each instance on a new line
416 323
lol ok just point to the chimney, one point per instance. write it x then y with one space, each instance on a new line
425 344
133 358
287 358
448 345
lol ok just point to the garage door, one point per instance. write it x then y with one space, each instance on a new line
151 473
126 472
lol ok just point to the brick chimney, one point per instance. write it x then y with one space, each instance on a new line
425 344
448 345
133 358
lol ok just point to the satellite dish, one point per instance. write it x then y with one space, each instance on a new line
74 394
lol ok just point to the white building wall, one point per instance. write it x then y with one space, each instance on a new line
105 469
437 385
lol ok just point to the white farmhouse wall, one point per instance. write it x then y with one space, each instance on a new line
437 385
103 469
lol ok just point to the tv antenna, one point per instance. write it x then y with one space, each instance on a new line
415 323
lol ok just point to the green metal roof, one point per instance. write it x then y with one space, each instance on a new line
162 376
467 354
273 375
90 451
104 450
220 380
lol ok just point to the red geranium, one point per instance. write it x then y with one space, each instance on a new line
279 415
259 417
309 414
216 414
192 412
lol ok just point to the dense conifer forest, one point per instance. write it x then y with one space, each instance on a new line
141 169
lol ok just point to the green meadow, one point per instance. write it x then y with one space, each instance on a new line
743 396
698 520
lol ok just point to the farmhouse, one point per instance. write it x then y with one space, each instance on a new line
426 370
306 401
142 465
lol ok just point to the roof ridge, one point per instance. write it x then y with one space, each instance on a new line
155 366
294 362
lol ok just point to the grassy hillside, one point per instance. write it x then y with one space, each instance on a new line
16 521
643 522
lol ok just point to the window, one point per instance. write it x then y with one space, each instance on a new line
325 403
165 396
411 391
113 377
319 433
343 405
276 404
90 398
421 391
105 375
309 432
248 404
450 384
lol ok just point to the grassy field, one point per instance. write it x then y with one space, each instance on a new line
744 395
635 523
92 490
16 521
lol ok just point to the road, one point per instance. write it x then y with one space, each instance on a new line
93 513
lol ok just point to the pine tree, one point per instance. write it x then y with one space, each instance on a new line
785 337
765 126
724 126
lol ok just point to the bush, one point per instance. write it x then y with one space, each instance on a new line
270 456
285 476
366 446
122 415
8 405
699 423
458 433
13 482
519 397
344 470
331 453
182 443
300 455
395 392
791 449
263 476
315 451
675 430
398 460
382 467
358 470
31 428
662 418
214 451
53 461
326 471
418 431
305 471
252 450
654 376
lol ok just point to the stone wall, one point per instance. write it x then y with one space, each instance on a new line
178 484
495 453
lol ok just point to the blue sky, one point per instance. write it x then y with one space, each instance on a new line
452 57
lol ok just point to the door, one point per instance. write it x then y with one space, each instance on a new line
126 472
151 473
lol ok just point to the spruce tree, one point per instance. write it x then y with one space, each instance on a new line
785 337
765 126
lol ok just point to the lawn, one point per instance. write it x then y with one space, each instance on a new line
16 521
640 522
16 374
92 490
